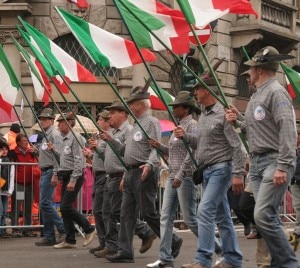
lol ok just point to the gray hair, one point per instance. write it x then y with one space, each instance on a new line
147 103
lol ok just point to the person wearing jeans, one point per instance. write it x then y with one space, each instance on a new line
219 151
47 159
271 131
180 188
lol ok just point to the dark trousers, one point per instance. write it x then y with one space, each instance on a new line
69 213
111 211
111 214
234 204
138 196
246 205
98 189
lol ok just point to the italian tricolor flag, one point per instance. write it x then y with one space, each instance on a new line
104 48
10 84
38 75
155 98
63 63
293 81
202 12
169 25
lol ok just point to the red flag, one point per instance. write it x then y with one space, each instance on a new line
80 3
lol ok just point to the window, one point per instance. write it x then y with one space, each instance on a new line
69 44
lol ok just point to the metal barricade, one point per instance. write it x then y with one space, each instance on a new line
19 210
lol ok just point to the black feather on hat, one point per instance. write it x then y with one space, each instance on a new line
207 79
139 93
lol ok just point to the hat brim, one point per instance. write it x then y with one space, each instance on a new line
116 107
209 82
190 103
251 63
144 96
265 65
46 116
245 73
62 119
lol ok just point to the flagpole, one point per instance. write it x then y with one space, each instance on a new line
61 94
157 88
222 100
174 55
98 65
245 52
22 125
69 106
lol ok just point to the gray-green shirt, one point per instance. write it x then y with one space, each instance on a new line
98 164
46 157
216 141
270 123
138 149
111 163
71 157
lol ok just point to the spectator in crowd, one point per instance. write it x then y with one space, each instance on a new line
11 135
25 176
7 176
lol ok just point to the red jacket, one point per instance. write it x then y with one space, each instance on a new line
25 174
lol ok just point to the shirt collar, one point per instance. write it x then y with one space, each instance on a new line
185 119
123 125
268 82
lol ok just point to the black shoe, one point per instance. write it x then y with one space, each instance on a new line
166 264
147 243
247 229
176 247
93 250
45 242
119 258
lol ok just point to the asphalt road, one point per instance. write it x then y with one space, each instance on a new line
22 253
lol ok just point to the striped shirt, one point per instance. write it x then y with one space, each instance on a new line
71 157
46 157
111 163
270 123
216 141
180 163
138 149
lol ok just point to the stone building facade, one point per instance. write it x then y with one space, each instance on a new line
278 25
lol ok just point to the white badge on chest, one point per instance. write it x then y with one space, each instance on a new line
138 136
44 146
67 150
259 113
